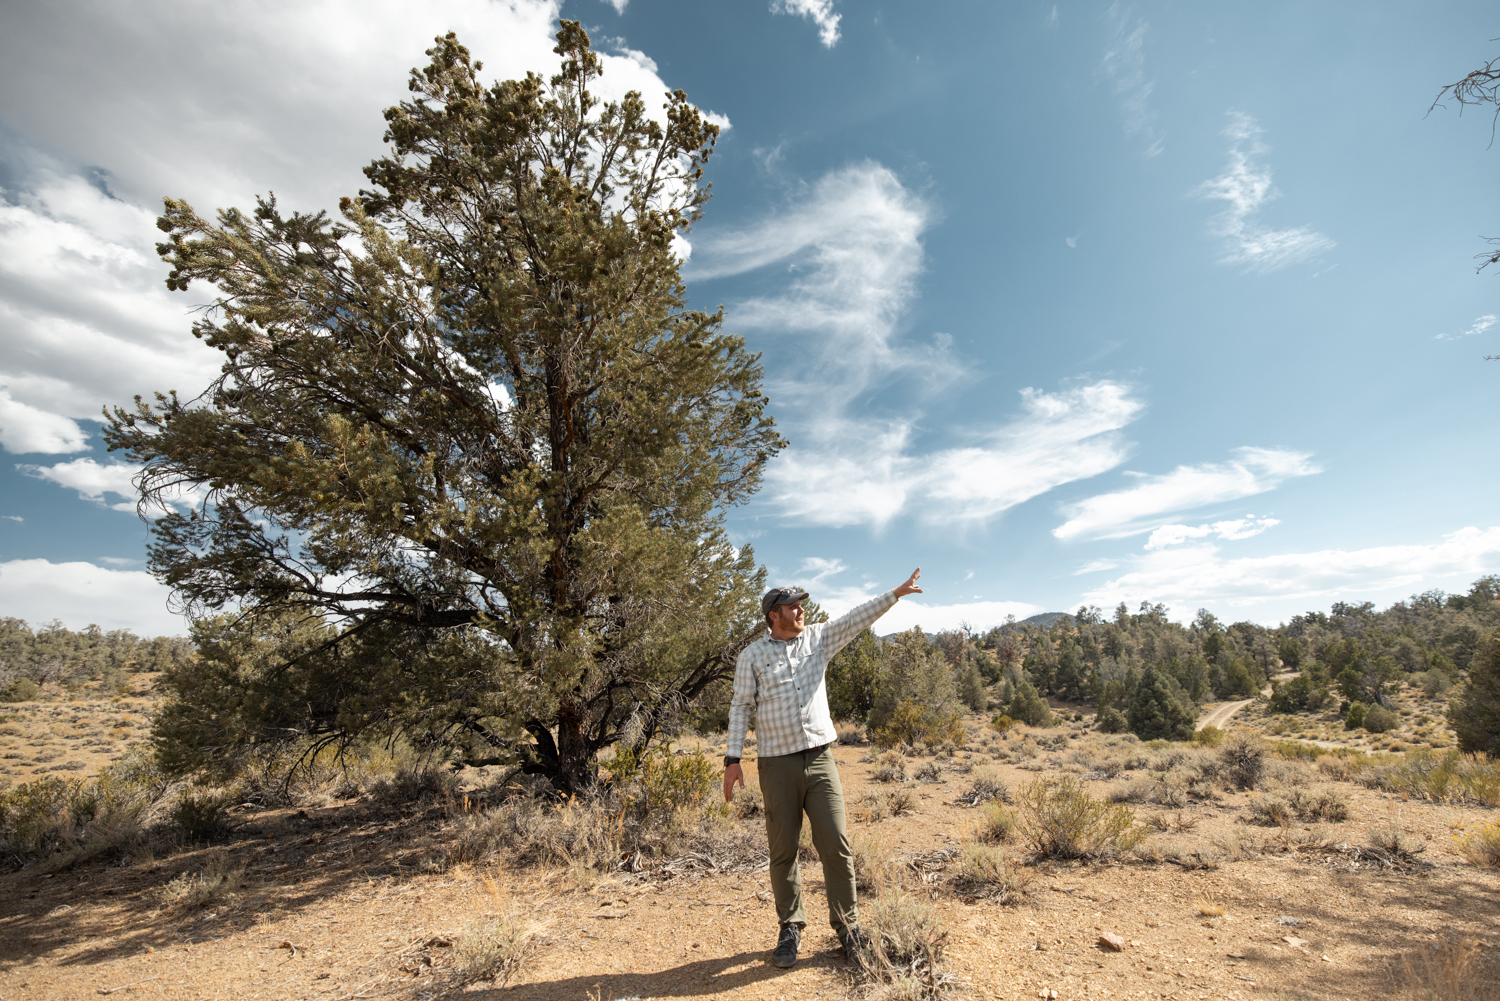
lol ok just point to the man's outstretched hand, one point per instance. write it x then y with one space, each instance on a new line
732 774
911 586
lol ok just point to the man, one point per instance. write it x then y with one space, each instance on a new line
780 676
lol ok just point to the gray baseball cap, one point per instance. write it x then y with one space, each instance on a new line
780 596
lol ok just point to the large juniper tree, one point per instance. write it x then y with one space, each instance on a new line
471 437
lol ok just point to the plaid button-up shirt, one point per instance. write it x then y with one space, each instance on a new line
782 680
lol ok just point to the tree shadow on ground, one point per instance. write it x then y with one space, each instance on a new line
708 976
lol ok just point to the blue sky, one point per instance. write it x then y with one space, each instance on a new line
1066 303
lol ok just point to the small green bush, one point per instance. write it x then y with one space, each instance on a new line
1481 846
996 824
1355 717
1379 719
1110 720
1209 736
1029 707
20 690
199 815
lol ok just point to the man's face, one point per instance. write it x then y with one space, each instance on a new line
787 619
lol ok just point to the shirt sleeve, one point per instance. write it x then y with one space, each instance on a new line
742 702
838 633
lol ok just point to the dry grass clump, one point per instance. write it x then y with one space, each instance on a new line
889 767
1439 777
984 870
1445 971
216 882
748 802
1207 905
880 804
1481 846
1060 820
985 784
851 733
656 807
1281 810
928 771
996 824
1163 823
496 949
873 866
904 958
68 821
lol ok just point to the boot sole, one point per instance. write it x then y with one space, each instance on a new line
783 964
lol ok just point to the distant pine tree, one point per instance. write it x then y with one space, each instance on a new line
1029 707
1474 713
1155 713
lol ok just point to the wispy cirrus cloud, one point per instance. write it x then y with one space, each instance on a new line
869 479
1479 326
1124 66
1154 500
1247 187
819 12
851 247
1189 577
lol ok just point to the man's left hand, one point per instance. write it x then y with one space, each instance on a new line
910 587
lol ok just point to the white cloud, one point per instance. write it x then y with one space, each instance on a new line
618 5
82 593
1095 566
1239 528
26 428
1124 66
1071 241
13 517
1190 577
851 245
820 12
1153 499
1247 187
1058 438
101 481
213 103
1479 326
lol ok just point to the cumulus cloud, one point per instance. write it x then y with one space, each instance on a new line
1479 326
819 12
1247 187
1154 499
212 103
1192 576
1124 66
81 593
814 576
101 482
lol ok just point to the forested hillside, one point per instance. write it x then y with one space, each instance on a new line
32 660
1141 671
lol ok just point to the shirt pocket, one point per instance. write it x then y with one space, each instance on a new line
776 683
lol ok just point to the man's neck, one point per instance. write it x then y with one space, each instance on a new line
777 635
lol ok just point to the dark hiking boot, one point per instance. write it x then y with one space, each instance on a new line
786 946
854 943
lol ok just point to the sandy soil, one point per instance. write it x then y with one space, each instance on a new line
336 905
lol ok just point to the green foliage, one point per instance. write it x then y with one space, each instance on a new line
854 675
67 821
1301 694
659 780
1156 712
1059 820
1440 777
1355 717
1474 713
199 814
917 698
1111 720
1379 719
1209 736
54 654
1029 707
20 690
971 690
472 430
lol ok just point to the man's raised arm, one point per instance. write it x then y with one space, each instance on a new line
847 626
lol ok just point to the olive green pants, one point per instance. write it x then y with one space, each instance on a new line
791 784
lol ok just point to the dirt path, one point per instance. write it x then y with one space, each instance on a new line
1220 715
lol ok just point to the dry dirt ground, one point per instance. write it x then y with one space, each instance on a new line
353 901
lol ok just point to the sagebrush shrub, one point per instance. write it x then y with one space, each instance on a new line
889 767
494 950
985 869
1481 846
1244 759
997 824
1060 820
